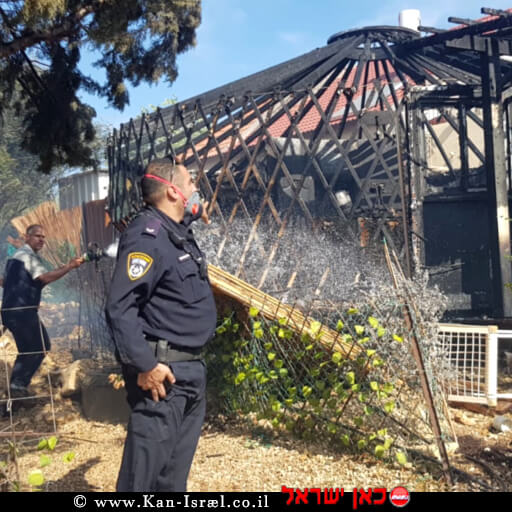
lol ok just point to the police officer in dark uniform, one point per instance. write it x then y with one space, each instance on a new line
161 312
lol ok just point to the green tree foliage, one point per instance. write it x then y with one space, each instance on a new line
41 42
21 188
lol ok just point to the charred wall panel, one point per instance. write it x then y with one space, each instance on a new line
457 254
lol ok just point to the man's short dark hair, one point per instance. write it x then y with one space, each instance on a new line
32 228
153 190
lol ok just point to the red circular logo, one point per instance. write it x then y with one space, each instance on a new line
399 496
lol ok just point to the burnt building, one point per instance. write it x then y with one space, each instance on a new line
385 132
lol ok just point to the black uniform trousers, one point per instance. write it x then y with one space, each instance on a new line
162 436
32 341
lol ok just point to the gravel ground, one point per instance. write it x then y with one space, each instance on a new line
238 456
233 460
234 457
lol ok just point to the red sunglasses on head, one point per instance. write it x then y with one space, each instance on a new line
165 182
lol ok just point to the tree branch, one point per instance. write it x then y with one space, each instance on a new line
67 29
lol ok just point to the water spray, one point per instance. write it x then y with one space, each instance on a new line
95 252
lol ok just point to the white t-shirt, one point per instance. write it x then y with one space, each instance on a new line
33 263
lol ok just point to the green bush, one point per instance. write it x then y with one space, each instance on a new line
295 383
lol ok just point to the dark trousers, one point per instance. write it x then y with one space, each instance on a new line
162 436
32 341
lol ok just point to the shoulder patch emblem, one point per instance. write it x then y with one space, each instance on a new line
138 264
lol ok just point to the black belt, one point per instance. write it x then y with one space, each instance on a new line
166 354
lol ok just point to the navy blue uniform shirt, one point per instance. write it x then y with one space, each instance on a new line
21 286
157 290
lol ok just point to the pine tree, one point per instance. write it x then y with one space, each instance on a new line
40 47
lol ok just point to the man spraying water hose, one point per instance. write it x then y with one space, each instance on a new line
24 278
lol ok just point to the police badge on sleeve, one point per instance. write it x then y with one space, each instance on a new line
138 265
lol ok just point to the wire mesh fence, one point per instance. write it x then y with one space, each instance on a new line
94 338
52 326
467 354
347 379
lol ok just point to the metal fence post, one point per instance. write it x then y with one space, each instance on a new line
491 367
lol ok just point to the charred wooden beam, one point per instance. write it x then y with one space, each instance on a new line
471 144
348 95
461 21
431 30
402 64
466 62
479 44
320 131
443 67
441 70
438 143
333 62
463 147
508 124
416 163
496 178
405 201
494 12
476 29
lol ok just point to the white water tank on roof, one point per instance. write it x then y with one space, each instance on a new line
410 18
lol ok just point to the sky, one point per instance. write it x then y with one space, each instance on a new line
239 37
